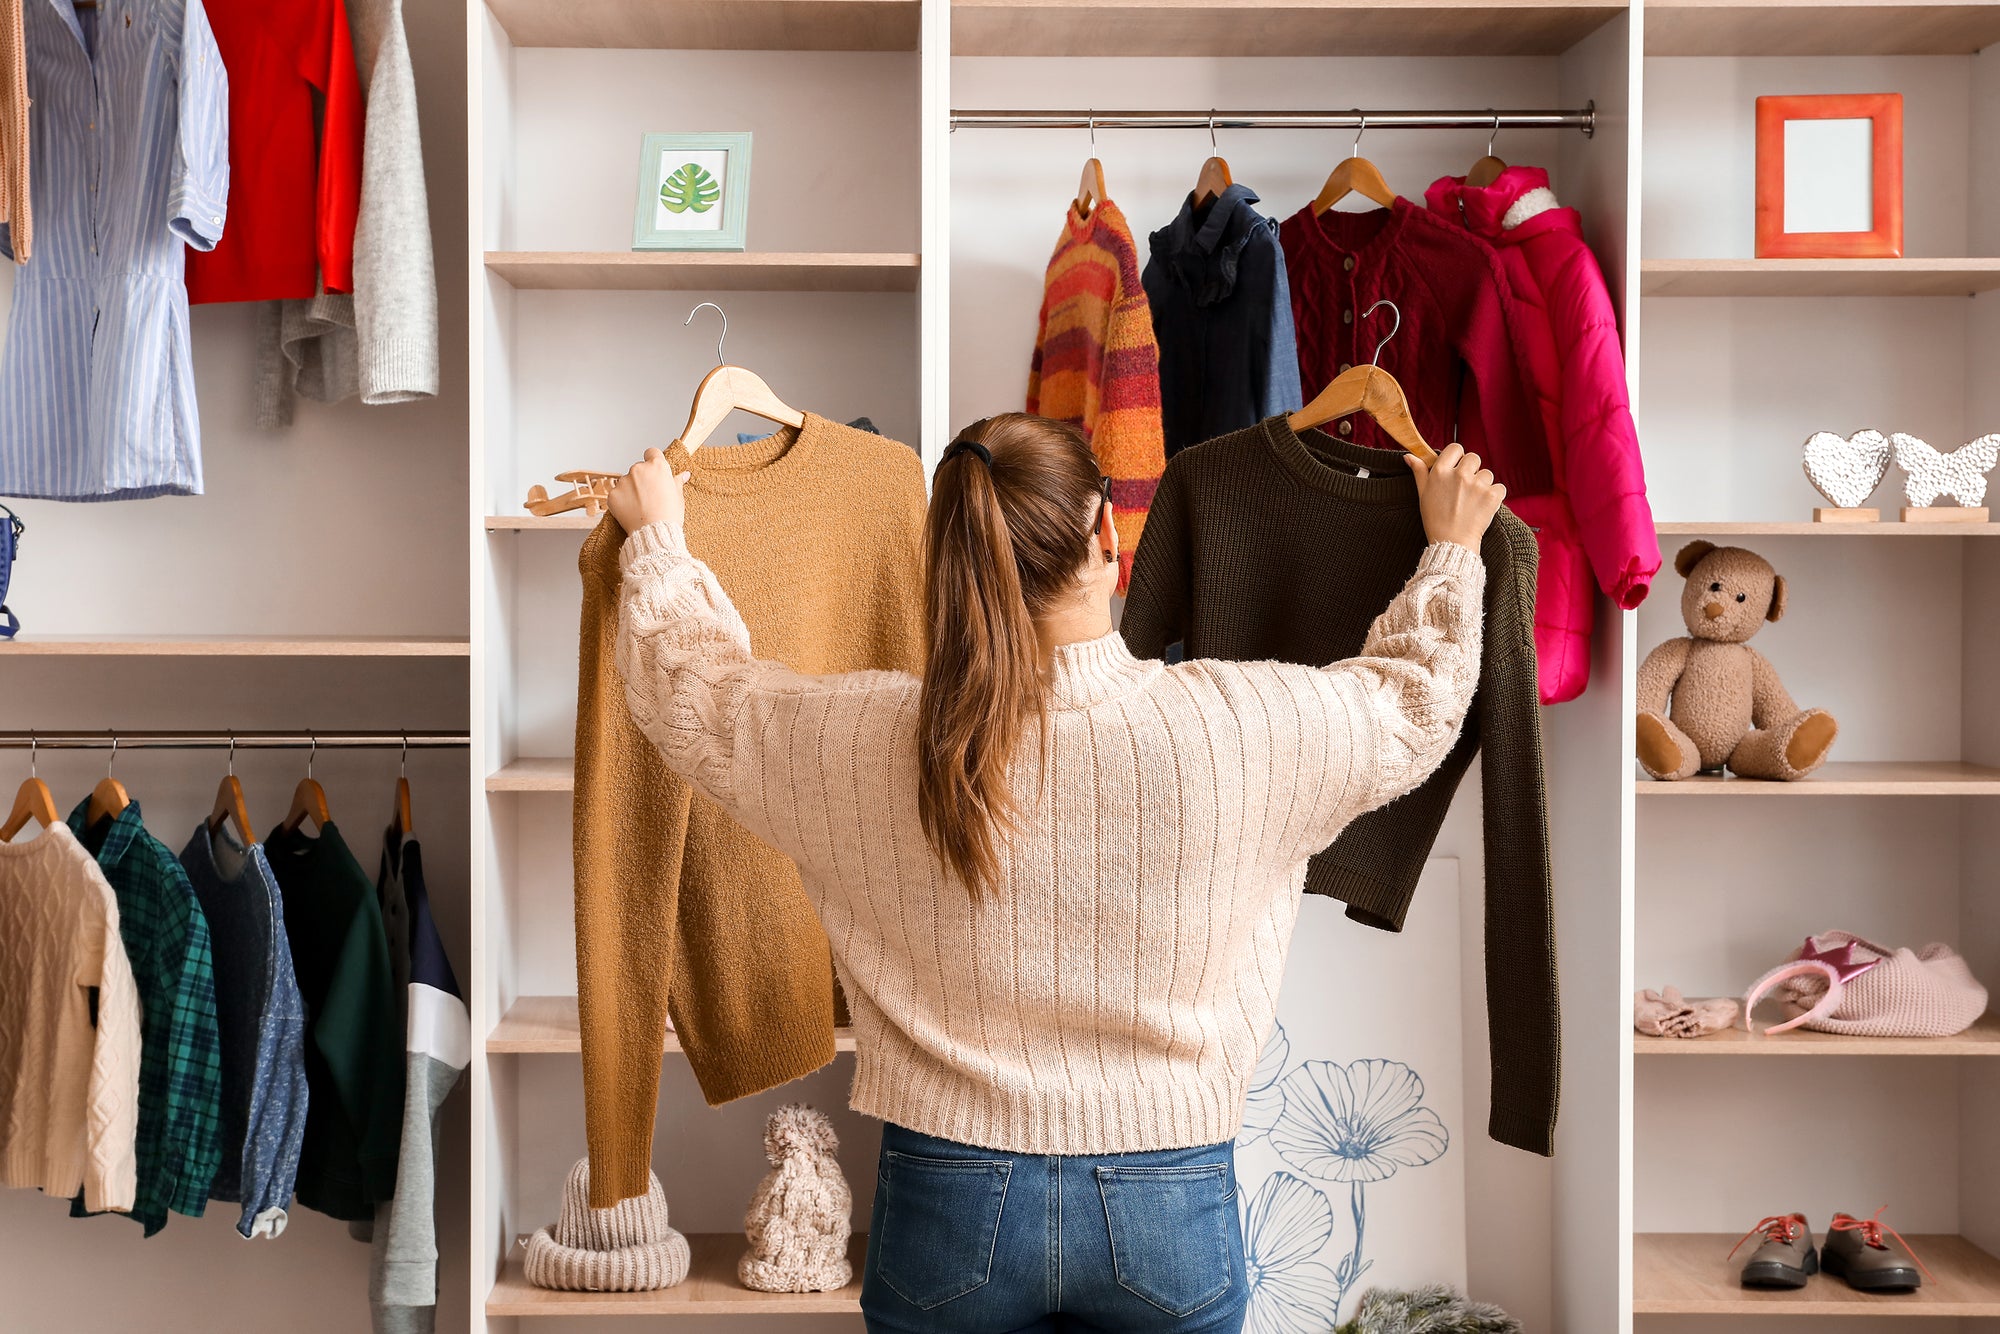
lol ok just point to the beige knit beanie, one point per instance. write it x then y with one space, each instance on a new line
798 1222
626 1248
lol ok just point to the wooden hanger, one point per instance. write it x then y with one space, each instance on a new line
229 804
108 798
400 823
728 389
1487 170
308 799
1215 177
34 802
1090 191
1355 175
1372 390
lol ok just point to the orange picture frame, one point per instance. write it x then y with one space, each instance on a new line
1885 239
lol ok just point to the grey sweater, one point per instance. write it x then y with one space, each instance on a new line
402 1287
381 342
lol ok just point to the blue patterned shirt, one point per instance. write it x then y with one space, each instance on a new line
179 1139
263 1022
129 117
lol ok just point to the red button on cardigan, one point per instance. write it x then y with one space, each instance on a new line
1455 354
294 186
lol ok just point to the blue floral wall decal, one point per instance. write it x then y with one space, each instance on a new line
1287 1224
1351 1124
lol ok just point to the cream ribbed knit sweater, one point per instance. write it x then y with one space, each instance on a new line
1113 995
69 1094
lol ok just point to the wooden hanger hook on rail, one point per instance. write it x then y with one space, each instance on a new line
1487 170
1215 177
1355 175
308 798
109 798
229 804
33 802
1090 191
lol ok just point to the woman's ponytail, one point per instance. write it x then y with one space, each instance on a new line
1007 535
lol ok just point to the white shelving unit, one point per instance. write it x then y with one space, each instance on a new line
911 301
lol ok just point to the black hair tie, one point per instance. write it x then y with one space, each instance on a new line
965 446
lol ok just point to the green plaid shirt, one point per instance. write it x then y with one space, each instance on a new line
179 1144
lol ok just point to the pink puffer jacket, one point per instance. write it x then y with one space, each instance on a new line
1596 520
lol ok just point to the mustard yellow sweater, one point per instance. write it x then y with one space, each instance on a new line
677 907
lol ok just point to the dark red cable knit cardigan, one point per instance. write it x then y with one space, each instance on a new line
1456 354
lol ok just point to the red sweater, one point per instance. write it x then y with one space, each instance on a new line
294 187
1455 354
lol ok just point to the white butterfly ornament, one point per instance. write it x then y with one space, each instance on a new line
1960 474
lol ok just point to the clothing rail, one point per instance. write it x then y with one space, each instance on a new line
1352 119
237 740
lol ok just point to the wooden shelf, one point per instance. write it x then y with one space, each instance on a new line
573 521
1806 528
1818 27
247 646
1690 1273
1982 1039
547 1026
1852 778
1818 277
1274 27
534 774
731 25
709 1289
656 271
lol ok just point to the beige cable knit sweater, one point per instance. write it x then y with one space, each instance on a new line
69 1094
1114 994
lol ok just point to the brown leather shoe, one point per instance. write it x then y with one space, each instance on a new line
1786 1259
1857 1251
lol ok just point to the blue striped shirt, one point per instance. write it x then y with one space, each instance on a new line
129 117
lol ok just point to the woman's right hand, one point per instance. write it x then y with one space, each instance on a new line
1456 496
650 493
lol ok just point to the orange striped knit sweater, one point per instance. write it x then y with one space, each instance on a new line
1096 364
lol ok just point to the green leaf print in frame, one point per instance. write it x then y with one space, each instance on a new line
689 188
694 192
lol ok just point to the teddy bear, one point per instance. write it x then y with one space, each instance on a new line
798 1222
1710 700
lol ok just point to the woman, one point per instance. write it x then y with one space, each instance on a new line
1059 881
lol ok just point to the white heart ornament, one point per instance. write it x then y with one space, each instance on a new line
1846 471
1960 474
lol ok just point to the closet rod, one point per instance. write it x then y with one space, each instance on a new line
241 740
1352 119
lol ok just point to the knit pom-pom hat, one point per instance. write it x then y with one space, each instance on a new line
1839 983
798 1223
626 1248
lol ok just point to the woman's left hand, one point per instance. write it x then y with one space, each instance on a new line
650 493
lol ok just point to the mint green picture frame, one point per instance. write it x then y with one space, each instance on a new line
693 191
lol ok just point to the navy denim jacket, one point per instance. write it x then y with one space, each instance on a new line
1222 314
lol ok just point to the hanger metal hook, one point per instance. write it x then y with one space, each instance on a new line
1495 134
1211 132
34 756
1356 150
719 338
312 754
403 765
232 752
1090 118
114 754
1395 310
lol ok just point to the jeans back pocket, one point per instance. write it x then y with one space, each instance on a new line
1170 1232
940 1223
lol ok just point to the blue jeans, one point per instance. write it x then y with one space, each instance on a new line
976 1241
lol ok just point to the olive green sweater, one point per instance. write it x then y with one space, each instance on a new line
1265 545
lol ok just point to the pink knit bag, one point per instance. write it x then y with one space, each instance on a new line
1838 982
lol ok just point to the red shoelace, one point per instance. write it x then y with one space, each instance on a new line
1781 1228
1871 1230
